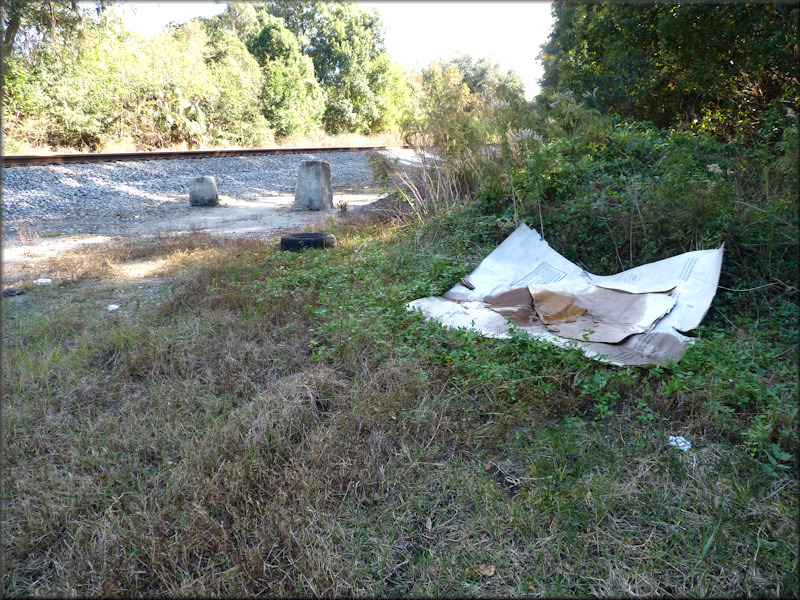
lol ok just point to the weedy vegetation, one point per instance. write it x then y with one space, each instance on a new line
257 422
269 422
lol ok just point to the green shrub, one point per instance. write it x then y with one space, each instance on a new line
636 194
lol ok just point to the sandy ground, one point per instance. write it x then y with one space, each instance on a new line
25 247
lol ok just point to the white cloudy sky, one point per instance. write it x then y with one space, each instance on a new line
510 33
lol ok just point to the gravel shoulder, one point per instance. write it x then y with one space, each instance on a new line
52 209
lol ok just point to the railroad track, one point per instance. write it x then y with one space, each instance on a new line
54 159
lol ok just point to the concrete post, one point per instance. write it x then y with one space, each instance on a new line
313 190
203 192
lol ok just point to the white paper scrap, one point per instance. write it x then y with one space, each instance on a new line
679 442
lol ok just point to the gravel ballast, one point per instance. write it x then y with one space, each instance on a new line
98 197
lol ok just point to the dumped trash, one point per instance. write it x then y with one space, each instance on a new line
486 570
300 241
43 281
679 442
113 307
633 318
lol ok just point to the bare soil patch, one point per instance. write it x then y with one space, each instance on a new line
28 249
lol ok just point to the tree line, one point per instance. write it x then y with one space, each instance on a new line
76 77
722 68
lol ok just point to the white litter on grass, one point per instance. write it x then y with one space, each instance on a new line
43 281
635 317
113 307
679 442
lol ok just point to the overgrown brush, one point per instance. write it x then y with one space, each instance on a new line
611 196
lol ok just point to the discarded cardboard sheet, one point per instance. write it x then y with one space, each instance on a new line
631 318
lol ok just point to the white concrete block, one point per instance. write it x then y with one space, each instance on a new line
313 189
203 192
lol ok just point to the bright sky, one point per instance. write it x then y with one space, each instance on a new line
509 33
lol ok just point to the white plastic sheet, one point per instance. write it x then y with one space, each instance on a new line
632 318
681 443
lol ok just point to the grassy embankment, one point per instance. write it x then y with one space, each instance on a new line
259 422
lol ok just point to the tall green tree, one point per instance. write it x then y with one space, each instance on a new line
467 102
292 99
240 18
485 78
346 47
59 74
30 26
676 64
449 116
235 106
498 96
395 94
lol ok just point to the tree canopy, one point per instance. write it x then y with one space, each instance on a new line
74 76
345 46
712 65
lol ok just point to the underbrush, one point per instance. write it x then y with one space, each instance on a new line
613 195
279 424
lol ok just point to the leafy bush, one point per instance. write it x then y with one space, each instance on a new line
707 67
291 99
633 194
234 108
463 109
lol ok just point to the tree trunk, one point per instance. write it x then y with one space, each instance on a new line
10 35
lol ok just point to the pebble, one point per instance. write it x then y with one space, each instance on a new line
129 190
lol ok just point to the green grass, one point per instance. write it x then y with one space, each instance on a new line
277 423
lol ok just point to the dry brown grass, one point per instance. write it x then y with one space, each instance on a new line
226 439
112 260
322 140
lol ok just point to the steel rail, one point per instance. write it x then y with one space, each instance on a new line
22 160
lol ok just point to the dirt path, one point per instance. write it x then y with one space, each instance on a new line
26 246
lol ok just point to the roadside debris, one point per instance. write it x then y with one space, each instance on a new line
486 570
632 318
43 281
679 442
113 307
300 241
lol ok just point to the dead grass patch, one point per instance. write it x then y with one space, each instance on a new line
110 260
